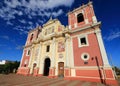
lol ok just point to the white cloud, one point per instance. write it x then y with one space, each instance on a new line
22 21
30 23
31 9
19 47
9 23
113 35
21 30
5 37
20 13
55 14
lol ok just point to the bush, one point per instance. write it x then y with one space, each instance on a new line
9 67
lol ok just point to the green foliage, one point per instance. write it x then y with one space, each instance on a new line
9 67
117 70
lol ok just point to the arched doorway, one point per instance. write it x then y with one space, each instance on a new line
46 67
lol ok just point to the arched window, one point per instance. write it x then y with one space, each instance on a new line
31 37
80 18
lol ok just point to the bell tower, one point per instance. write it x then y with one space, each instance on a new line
88 48
82 16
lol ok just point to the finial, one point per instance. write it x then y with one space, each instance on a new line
51 18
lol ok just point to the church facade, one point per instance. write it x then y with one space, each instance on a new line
74 52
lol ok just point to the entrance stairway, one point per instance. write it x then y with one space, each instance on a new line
19 80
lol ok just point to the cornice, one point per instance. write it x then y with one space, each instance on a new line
81 7
84 28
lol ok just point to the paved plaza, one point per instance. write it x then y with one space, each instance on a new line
20 80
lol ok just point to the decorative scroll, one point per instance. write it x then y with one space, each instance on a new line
61 46
49 30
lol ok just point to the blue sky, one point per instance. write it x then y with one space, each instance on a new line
17 17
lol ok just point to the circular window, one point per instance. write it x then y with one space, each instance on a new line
85 56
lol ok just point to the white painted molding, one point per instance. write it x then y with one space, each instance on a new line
70 27
94 19
73 72
81 36
86 21
102 48
75 25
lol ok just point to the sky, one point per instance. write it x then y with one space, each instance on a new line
17 17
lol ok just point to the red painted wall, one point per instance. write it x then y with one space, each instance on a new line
25 57
88 13
35 35
93 51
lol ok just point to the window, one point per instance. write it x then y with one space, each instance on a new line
31 38
80 18
25 65
48 48
85 56
83 41
28 52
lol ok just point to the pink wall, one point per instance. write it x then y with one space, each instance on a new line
88 14
93 51
25 57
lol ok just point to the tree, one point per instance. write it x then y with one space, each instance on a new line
9 67
117 70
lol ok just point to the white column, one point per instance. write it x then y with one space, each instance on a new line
30 60
67 51
38 57
41 63
56 70
53 52
41 67
71 57
71 54
102 48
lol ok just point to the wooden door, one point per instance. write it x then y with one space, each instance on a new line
61 69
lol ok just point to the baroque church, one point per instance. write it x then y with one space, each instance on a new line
74 52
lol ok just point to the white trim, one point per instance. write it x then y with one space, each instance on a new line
93 77
66 52
73 73
39 53
71 54
79 41
70 27
75 25
40 60
102 48
53 52
76 14
94 19
86 21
